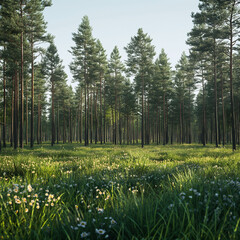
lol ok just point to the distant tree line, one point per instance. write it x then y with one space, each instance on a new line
139 101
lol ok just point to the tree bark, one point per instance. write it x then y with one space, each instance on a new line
16 109
21 84
53 114
204 113
231 78
215 95
32 98
4 105
12 113
142 112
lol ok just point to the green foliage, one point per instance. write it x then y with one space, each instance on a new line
140 54
83 52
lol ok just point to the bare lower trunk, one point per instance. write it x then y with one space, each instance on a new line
32 99
4 105
16 109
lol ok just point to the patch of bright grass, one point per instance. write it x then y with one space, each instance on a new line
120 192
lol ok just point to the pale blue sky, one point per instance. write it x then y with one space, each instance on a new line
114 22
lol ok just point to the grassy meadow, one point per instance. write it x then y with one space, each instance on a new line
120 192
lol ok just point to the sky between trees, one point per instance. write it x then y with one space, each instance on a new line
114 22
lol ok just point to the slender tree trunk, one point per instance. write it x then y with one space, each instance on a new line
0 139
53 113
204 113
142 112
96 119
12 115
223 113
39 119
159 123
91 119
64 125
119 122
215 95
101 120
113 130
183 122
32 98
231 78
40 124
157 126
16 109
137 130
104 113
26 133
58 123
180 123
78 123
81 122
167 138
211 139
21 84
85 129
164 120
4 105
127 130
70 125
133 132
189 118
115 122
86 116
148 125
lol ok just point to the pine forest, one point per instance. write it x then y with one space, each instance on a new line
132 148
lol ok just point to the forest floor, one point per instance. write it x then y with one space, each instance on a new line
120 192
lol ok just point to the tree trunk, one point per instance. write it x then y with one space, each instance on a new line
180 123
70 125
148 123
127 130
12 113
142 112
91 119
21 84
215 95
101 120
104 113
4 105
64 125
115 122
40 124
58 123
26 133
39 119
53 114
119 122
164 120
16 109
133 132
231 78
113 130
204 113
183 122
81 125
32 98
96 119
167 138
189 118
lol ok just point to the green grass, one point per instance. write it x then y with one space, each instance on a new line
125 192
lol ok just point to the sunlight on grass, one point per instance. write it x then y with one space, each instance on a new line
120 192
